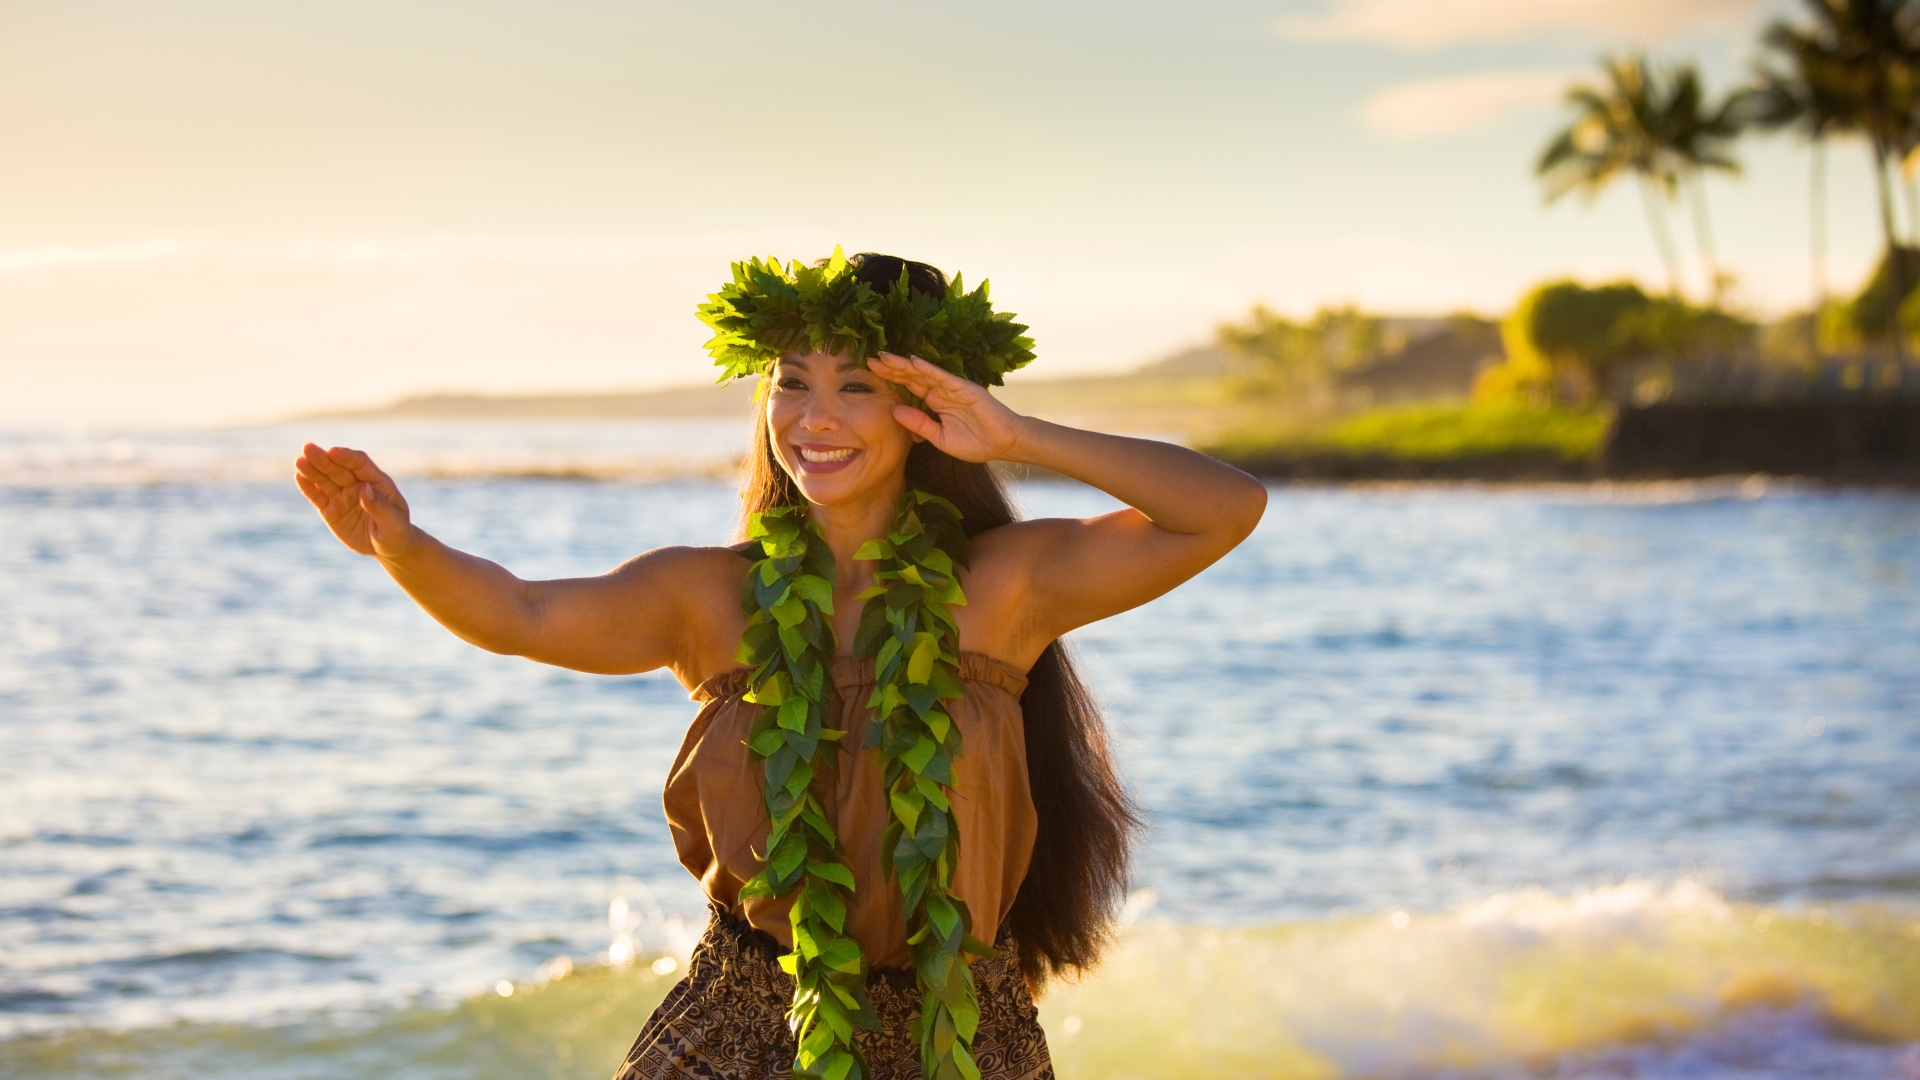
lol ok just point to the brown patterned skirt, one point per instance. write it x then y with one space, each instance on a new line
727 1020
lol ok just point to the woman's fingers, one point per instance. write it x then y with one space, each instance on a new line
312 491
919 423
919 375
324 464
344 467
384 514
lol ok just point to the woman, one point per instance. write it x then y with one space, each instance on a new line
906 767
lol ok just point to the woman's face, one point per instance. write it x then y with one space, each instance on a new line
831 423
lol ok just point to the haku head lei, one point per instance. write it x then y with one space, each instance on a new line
766 312
906 627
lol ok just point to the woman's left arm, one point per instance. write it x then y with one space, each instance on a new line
1185 509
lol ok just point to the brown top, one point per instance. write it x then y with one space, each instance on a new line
719 818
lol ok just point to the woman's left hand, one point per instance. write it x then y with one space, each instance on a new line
972 425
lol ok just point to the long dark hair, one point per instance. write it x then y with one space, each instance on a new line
1063 914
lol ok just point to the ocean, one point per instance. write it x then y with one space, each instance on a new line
1561 781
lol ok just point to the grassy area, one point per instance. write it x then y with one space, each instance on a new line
1450 432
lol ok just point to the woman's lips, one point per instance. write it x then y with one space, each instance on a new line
825 459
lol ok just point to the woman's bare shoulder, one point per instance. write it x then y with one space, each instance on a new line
692 584
700 587
1016 541
678 560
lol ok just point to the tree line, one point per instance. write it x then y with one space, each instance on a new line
1849 69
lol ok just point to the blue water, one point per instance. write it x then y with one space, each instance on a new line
246 781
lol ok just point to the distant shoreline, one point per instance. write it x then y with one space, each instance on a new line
1177 379
734 399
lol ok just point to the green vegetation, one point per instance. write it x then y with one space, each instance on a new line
1567 342
1432 432
1269 354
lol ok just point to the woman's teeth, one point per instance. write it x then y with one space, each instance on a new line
841 454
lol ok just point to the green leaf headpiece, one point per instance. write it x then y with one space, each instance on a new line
767 311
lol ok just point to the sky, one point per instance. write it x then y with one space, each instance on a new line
218 211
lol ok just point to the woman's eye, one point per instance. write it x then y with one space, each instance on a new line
791 384
857 386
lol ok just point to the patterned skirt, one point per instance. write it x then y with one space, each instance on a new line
727 1020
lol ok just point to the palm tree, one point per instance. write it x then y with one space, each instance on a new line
1618 129
1782 100
1862 58
1699 138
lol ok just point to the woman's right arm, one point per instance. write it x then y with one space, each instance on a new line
634 619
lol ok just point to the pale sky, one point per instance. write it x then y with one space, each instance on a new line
216 210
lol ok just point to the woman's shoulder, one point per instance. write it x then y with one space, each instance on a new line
1016 541
685 569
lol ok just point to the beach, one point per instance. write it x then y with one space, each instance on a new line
1568 780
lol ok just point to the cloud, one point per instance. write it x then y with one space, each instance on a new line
1428 24
1430 108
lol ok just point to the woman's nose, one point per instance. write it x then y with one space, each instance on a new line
819 414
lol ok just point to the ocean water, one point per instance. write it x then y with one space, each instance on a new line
1445 782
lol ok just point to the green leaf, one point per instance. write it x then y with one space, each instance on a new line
792 643
821 829
788 856
831 871
817 1042
831 909
842 954
942 915
779 764
926 649
874 550
930 790
964 1061
931 838
889 649
797 781
836 1018
939 562
946 684
906 807
804 943
923 699
773 690
793 713
944 1034
922 752
940 767
790 611
815 590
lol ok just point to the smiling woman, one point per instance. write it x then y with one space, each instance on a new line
897 794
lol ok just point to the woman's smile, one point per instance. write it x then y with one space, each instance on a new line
819 458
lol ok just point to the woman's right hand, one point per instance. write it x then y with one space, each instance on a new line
357 500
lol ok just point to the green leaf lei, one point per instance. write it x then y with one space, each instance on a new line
906 628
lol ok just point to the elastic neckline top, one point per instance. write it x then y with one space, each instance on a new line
851 674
